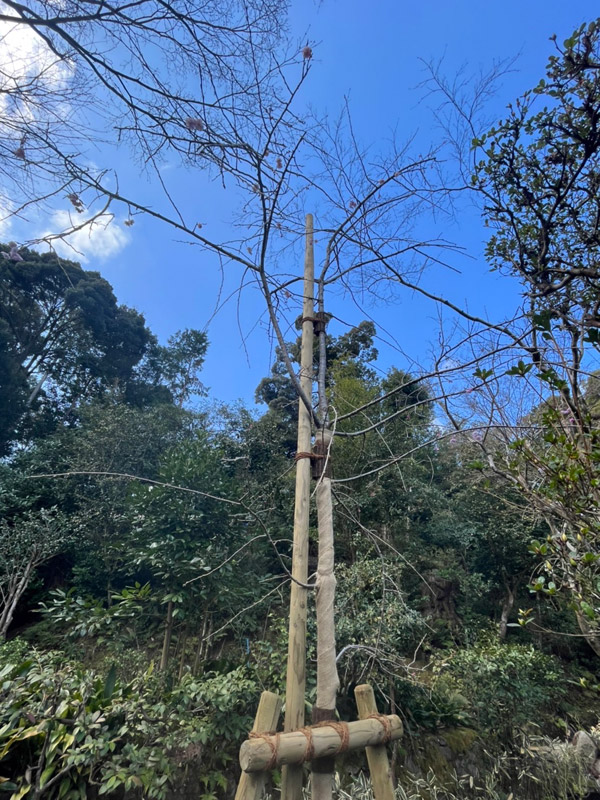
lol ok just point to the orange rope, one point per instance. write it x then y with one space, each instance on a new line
272 739
341 728
386 724
310 745
312 456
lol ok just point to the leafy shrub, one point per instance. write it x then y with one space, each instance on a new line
13 650
82 617
64 729
374 622
507 685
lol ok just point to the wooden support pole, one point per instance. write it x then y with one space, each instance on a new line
291 779
267 752
251 785
379 765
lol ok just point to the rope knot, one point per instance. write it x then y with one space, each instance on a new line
386 725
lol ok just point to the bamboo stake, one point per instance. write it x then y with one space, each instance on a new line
291 782
379 765
251 786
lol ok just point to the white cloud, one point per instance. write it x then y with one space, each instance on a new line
6 218
96 239
29 70
34 90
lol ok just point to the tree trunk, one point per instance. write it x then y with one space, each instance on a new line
507 606
164 658
182 654
37 389
327 676
12 596
200 645
591 635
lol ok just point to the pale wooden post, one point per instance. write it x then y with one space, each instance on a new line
379 764
251 785
291 779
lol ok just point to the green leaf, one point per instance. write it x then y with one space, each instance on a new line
521 369
46 775
483 374
111 680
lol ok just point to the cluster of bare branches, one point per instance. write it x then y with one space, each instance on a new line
166 78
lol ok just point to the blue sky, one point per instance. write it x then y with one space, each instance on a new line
372 56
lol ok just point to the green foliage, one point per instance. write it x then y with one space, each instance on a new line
84 617
13 381
66 338
265 656
178 364
179 536
352 353
540 180
374 621
110 437
507 685
64 729
537 768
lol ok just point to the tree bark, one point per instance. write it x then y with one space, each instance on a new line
13 595
164 658
184 636
507 606
591 636
200 645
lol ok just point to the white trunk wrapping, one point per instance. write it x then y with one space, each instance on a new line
327 676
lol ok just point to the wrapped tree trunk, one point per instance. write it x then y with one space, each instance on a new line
507 606
327 677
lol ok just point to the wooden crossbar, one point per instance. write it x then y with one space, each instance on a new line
265 752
